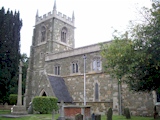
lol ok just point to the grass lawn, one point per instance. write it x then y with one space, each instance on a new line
49 117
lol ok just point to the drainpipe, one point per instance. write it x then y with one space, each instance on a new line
84 57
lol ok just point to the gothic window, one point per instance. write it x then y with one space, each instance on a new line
57 70
43 34
96 64
96 91
64 34
75 67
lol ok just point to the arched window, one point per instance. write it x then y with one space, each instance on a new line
75 67
64 34
57 69
43 34
96 92
96 64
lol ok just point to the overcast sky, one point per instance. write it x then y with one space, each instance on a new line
95 20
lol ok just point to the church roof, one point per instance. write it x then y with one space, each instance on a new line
60 89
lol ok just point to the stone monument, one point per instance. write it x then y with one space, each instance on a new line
19 109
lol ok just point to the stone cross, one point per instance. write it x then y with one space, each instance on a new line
19 100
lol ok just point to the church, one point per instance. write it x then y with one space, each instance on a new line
57 68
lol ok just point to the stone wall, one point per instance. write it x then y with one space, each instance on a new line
75 86
53 25
140 103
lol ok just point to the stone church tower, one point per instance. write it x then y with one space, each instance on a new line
53 33
56 68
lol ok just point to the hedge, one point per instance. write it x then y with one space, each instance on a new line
13 99
45 105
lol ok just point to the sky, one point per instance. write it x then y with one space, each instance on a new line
95 20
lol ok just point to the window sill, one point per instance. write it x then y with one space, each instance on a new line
74 74
98 71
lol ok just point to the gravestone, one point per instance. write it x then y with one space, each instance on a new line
30 108
53 114
93 116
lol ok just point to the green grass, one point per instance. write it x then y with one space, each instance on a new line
5 112
49 117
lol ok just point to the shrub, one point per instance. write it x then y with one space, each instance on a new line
45 105
13 99
109 114
79 116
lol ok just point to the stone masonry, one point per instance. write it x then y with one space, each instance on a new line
101 90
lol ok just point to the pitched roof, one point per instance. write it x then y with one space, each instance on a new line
60 89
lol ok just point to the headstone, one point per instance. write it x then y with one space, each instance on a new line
6 106
97 117
30 108
93 116
53 113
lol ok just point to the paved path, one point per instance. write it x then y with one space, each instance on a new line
13 116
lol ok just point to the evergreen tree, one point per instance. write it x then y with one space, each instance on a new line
10 26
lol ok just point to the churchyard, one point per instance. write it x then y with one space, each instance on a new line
49 117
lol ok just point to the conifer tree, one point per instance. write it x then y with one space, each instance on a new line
10 26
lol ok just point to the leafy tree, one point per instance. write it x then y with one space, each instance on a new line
137 60
10 26
25 61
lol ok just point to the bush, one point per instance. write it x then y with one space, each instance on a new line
13 99
79 116
109 114
45 105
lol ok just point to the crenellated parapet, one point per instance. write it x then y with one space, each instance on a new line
55 14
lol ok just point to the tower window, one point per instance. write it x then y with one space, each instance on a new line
57 70
43 34
64 34
75 67
96 64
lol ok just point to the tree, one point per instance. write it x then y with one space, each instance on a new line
10 26
14 88
117 56
25 61
137 59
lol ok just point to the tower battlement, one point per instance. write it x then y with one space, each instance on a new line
54 14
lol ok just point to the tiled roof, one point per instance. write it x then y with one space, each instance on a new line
60 89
